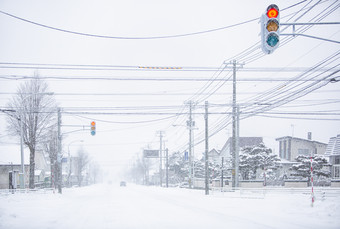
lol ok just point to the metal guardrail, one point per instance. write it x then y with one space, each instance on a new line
319 192
23 191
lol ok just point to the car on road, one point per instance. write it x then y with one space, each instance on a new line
122 184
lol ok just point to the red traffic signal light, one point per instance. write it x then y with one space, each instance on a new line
272 11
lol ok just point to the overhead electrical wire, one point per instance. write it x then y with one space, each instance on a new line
226 121
253 48
136 38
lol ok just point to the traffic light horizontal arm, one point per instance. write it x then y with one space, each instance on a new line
74 131
311 23
305 35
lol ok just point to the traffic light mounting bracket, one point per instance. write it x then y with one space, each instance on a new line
309 36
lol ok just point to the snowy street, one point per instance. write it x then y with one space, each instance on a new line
111 206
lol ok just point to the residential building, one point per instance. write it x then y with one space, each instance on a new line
333 154
8 171
226 151
291 147
214 156
13 169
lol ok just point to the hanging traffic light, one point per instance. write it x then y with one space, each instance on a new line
93 128
270 29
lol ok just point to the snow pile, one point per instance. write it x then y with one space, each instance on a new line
111 206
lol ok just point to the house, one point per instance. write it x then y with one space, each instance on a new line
333 155
10 172
226 151
214 156
291 147
9 175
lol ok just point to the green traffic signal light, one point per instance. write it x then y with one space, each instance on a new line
272 39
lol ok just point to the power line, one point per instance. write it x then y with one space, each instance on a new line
88 67
136 78
123 37
137 38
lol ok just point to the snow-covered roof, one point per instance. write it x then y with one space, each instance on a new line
333 147
243 142
299 139
37 172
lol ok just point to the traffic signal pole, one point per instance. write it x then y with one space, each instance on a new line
270 29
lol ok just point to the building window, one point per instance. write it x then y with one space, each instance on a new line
336 171
305 152
337 160
289 149
284 149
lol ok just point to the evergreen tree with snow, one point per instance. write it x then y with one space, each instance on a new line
257 157
178 167
303 168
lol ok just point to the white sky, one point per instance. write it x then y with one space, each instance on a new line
115 144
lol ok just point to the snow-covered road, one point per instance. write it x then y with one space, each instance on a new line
111 206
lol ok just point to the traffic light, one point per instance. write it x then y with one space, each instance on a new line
93 128
270 29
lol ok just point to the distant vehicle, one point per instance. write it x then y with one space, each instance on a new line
122 184
184 185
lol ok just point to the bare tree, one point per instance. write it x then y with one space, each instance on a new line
36 108
94 172
82 161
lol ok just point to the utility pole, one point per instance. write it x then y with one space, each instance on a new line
190 141
206 150
160 133
59 154
235 135
222 174
190 125
167 167
237 145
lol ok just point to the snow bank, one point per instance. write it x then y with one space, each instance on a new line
111 206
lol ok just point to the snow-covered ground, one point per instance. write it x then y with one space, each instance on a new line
111 206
